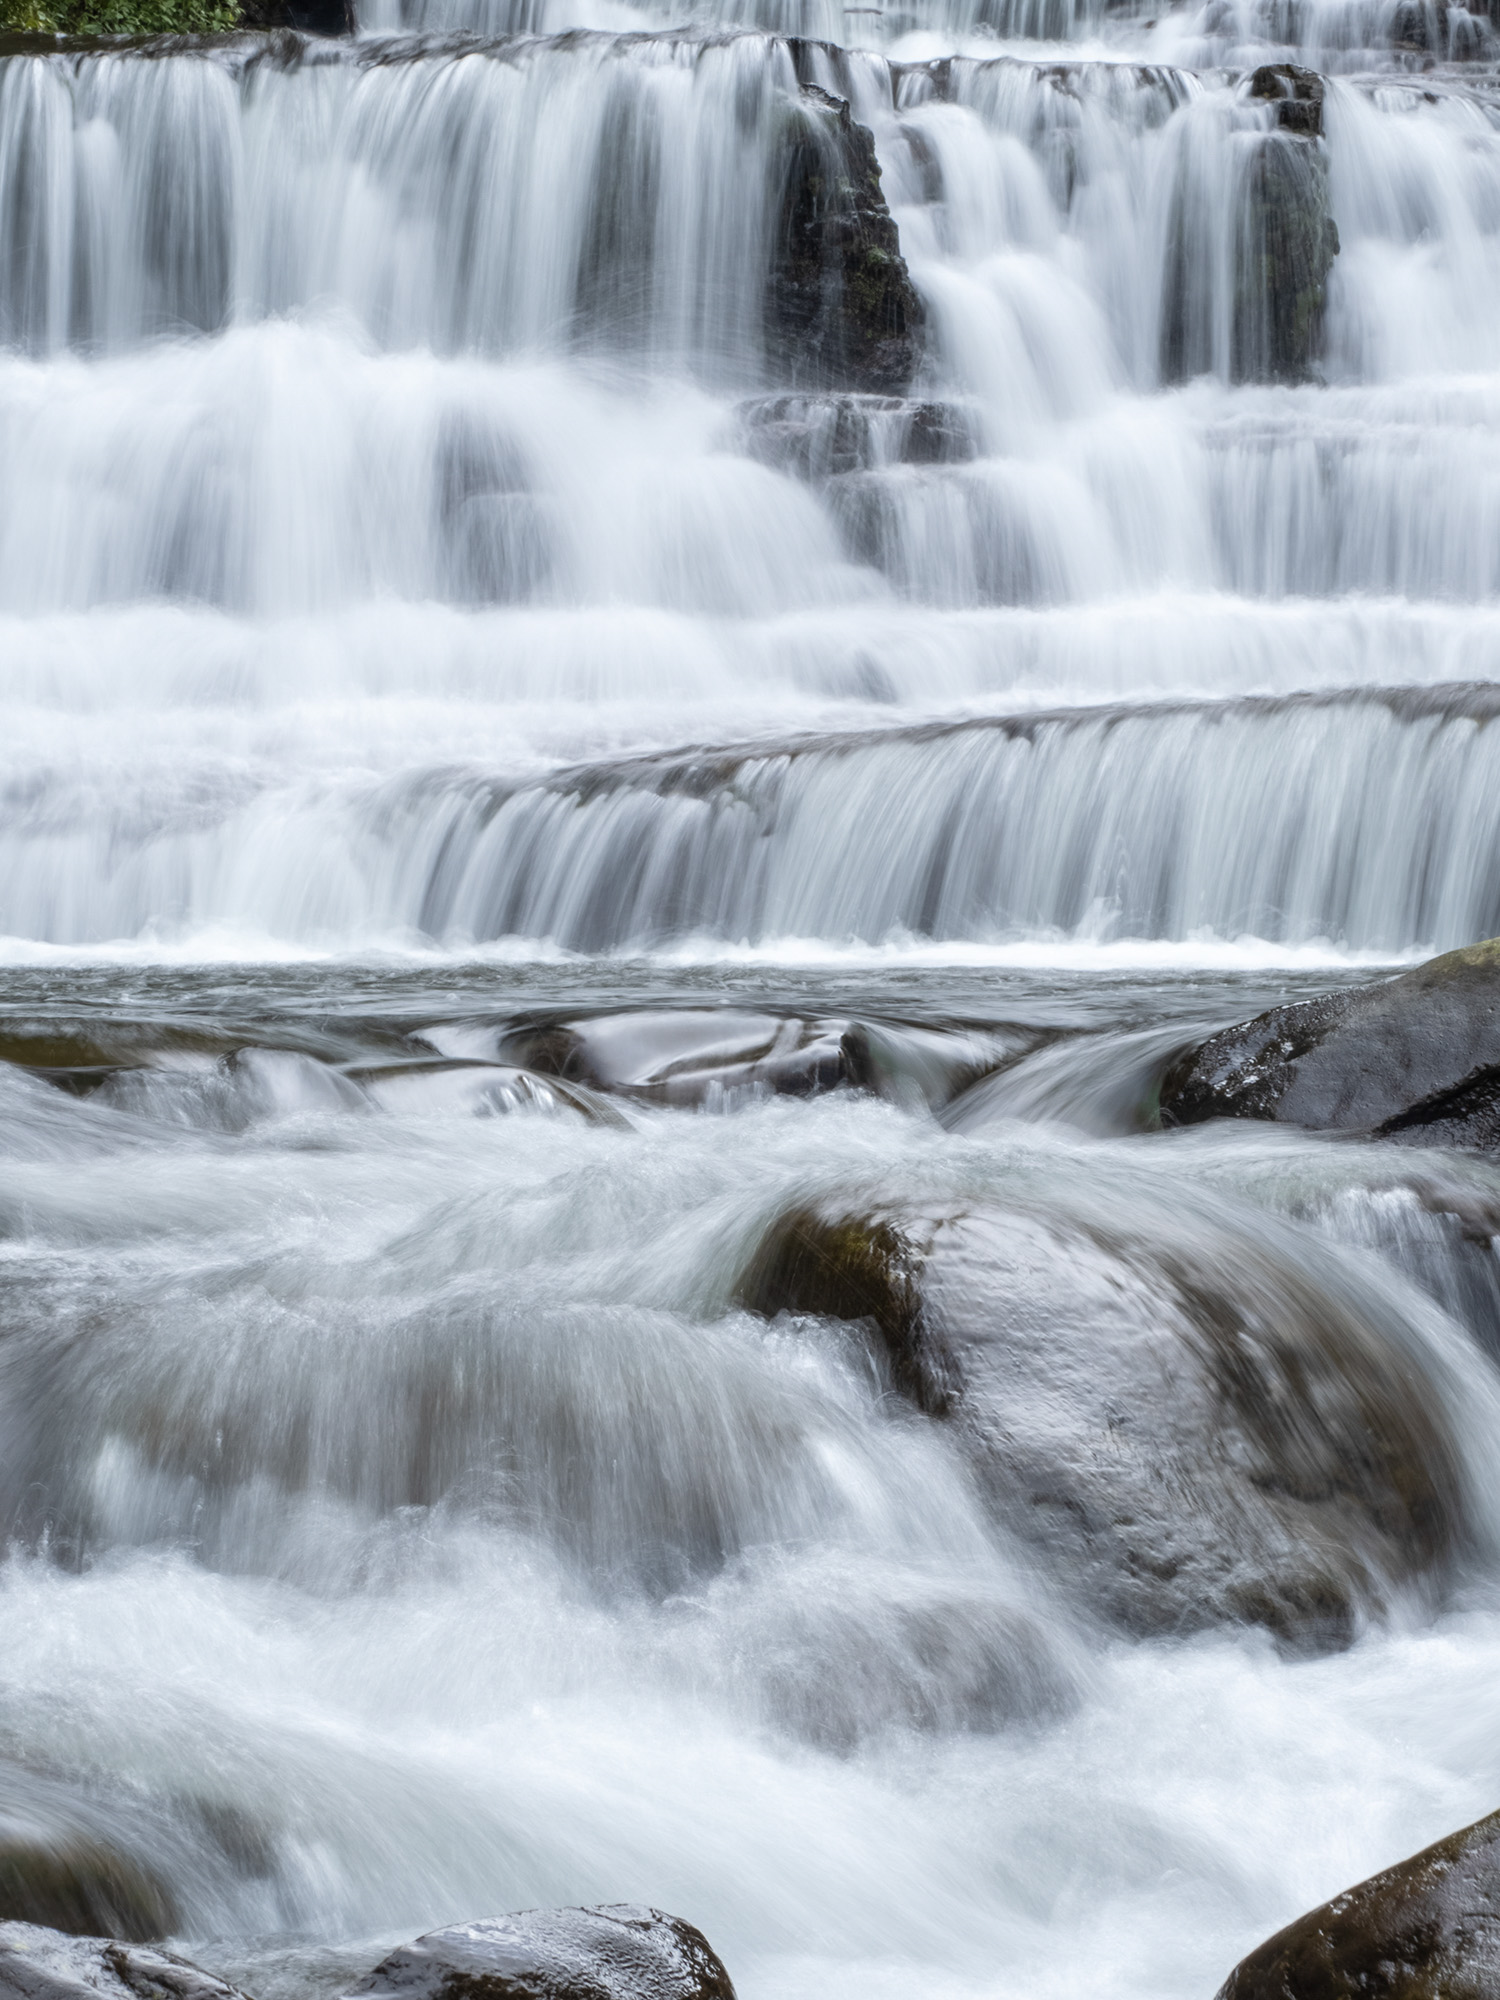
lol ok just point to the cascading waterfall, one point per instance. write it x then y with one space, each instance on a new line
546 731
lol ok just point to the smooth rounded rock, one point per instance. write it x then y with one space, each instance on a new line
1187 1426
1427 1929
614 1951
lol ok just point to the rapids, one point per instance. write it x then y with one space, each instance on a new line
428 616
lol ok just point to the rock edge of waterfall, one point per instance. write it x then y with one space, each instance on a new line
611 1951
1414 1059
1428 1927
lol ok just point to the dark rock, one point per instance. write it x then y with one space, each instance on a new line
1414 1059
60 1872
306 17
1288 243
841 309
1285 241
1186 1425
38 1964
615 1951
1427 1929
821 437
1297 94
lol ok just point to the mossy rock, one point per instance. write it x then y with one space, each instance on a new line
1427 1929
71 1881
1187 1427
841 312
1415 1059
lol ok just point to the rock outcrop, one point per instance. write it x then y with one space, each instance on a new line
1187 1426
1415 1059
1284 243
615 1951
40 1964
1427 1929
841 310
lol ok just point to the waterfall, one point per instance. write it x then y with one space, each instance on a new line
889 565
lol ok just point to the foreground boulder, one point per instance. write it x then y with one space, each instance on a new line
615 1951
1188 1426
38 1964
1427 1929
1415 1059
841 310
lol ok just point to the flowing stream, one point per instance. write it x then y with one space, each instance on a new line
432 610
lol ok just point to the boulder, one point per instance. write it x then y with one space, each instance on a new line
1414 1059
1427 1929
841 311
58 1871
1187 1425
615 1951
39 1964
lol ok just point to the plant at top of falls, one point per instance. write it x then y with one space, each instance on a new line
119 17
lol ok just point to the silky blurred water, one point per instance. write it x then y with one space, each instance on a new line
427 617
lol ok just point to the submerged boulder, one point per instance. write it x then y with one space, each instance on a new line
1415 1059
1427 1929
614 1951
684 1056
41 1964
841 310
1189 1429
59 1871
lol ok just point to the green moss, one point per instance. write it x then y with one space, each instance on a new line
118 17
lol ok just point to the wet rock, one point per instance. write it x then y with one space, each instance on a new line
1288 243
614 1951
841 310
1415 1059
65 1875
686 1056
821 437
1427 1929
1297 94
39 1964
1186 1426
1285 242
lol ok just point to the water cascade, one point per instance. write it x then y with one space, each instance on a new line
620 622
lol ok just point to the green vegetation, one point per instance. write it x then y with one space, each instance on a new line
118 17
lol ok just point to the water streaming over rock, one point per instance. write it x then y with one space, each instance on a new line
508 519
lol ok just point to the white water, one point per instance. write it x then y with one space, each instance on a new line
399 555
